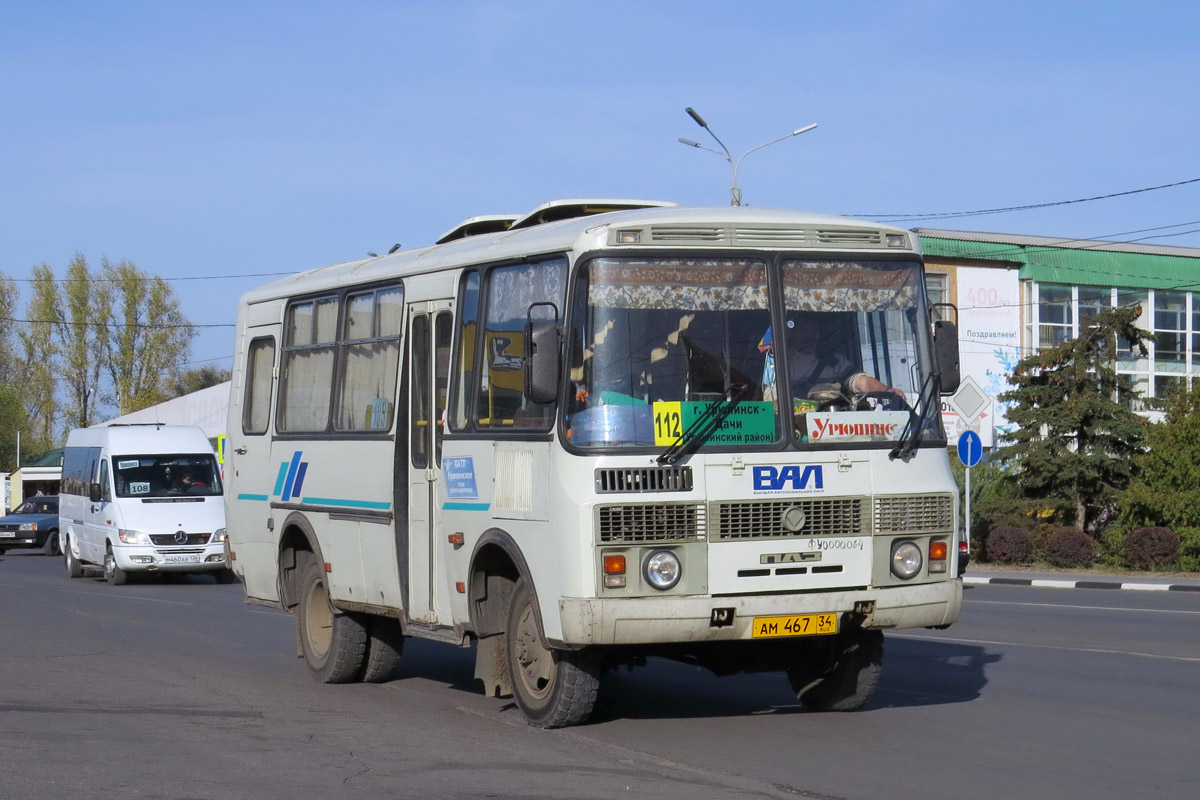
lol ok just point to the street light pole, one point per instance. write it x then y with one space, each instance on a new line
735 194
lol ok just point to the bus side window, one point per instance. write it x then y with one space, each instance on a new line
465 381
260 366
501 403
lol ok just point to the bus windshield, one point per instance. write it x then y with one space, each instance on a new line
655 342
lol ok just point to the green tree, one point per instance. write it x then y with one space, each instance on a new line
12 413
82 341
148 337
1075 434
1166 491
37 375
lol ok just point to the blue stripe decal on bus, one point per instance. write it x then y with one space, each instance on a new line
279 480
328 501
300 478
291 477
261 497
466 506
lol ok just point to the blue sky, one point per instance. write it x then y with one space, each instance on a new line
202 140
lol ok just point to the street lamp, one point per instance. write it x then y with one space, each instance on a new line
735 194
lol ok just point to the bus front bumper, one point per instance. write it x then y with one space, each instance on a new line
666 619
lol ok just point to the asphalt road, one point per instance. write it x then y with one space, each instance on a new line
179 690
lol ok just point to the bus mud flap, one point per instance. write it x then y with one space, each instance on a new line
491 666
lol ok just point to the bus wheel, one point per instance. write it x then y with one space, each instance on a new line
847 679
74 568
113 573
333 642
385 644
554 688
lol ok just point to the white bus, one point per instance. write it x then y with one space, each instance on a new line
564 439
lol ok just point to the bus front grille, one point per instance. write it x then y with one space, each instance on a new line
658 522
616 480
775 519
914 514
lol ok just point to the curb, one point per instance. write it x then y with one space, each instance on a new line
1084 584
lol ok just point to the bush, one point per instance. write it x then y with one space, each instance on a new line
1189 549
1070 547
1007 545
1149 548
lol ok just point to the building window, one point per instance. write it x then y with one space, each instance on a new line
1055 315
937 292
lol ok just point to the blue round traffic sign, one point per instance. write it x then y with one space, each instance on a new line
970 448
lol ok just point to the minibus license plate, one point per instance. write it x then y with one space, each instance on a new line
794 625
193 558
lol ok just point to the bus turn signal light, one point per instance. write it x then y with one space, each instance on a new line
614 571
939 551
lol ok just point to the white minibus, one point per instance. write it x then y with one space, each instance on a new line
142 499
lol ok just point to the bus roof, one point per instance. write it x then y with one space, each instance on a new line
663 226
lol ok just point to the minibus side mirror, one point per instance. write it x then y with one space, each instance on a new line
94 493
541 361
945 351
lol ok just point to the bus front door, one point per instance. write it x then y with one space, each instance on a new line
430 324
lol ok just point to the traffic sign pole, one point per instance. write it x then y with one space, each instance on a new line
970 451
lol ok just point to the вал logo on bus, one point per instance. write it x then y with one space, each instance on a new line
828 429
774 479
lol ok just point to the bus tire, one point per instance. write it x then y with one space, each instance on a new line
847 679
74 568
112 572
333 642
385 645
50 547
553 688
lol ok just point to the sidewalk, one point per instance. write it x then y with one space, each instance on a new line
1080 580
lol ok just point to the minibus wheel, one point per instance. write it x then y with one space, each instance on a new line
112 572
333 642
554 688
74 568
842 677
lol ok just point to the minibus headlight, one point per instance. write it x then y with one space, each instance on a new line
906 559
218 536
662 569
133 537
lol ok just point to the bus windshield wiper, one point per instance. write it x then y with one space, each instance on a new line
705 425
915 429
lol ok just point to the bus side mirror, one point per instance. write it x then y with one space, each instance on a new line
945 352
541 361
94 492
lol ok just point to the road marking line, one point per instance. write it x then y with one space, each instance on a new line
127 597
1096 650
1084 608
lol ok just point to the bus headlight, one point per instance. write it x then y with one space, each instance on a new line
218 536
906 559
662 569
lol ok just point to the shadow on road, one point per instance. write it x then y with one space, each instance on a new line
916 673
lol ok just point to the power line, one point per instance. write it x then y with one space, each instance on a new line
143 326
1031 206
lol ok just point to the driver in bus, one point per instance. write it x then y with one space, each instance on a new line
812 370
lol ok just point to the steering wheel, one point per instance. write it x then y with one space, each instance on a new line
888 401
